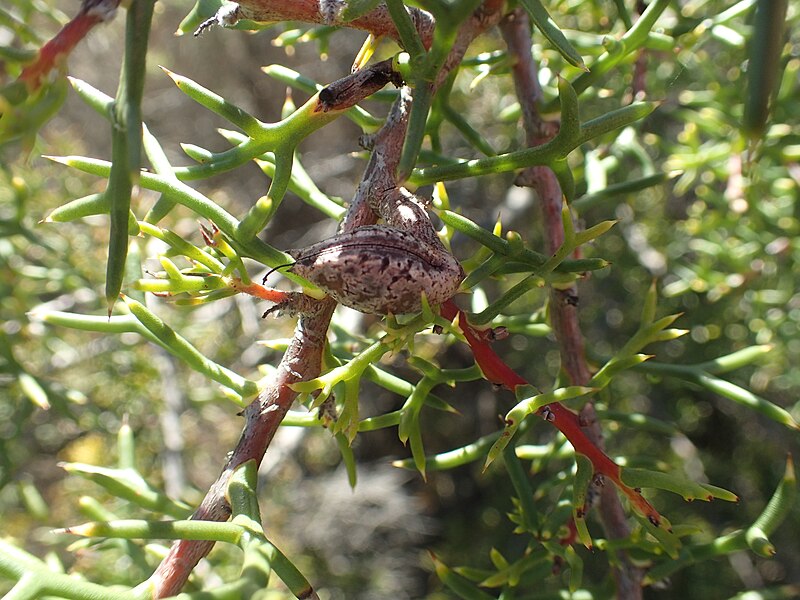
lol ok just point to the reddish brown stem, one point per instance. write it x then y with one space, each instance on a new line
55 52
378 22
301 361
259 291
566 421
564 309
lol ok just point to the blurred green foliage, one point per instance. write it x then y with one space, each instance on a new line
721 237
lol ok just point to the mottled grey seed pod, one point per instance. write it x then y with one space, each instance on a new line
380 270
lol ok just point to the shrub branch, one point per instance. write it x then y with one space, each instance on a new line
563 299
302 359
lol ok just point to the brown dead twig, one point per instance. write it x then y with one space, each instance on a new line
516 31
377 21
302 360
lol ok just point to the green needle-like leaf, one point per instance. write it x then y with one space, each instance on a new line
775 513
633 39
764 67
725 389
126 137
550 30
558 148
182 349
530 405
128 484
462 587
580 488
642 478
200 12
217 104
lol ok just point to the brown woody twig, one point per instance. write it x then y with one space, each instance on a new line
302 360
378 22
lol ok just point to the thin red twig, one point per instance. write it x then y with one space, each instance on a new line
563 311
566 421
55 52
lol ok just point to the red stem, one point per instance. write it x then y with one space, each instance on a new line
516 30
55 52
566 421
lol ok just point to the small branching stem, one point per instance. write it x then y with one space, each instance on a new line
302 360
